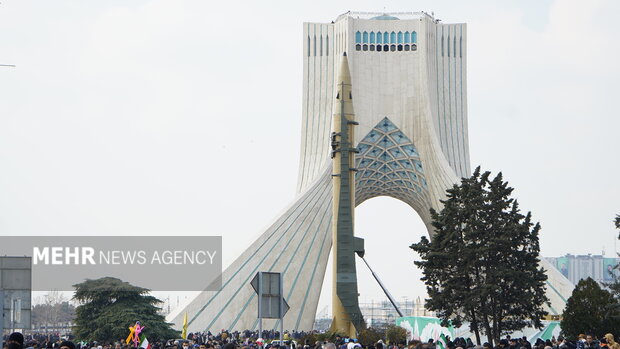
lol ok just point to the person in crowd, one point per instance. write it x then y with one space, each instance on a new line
67 345
611 343
16 338
581 341
591 343
450 343
512 343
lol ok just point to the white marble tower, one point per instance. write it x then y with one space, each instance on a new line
409 93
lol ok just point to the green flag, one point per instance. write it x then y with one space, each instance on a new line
442 342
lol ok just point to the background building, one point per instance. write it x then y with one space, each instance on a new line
577 267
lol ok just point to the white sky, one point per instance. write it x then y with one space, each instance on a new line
170 117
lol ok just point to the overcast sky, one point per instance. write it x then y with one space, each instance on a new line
184 117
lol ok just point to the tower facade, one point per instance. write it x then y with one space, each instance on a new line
407 76
407 70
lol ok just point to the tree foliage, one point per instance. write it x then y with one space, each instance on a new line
109 306
369 336
482 264
395 334
312 337
590 309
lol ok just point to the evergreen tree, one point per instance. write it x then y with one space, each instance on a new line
482 264
590 309
109 306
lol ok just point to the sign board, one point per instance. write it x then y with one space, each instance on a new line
59 262
271 297
15 292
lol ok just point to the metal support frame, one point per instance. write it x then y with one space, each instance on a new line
281 313
387 293
1 317
260 304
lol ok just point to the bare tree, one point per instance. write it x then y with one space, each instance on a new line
53 310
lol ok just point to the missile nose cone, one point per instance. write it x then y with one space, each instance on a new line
344 74
344 87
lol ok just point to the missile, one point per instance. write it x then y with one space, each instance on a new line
347 317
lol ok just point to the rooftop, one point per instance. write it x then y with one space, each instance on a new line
383 16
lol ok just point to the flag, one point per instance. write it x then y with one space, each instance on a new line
442 343
144 343
184 333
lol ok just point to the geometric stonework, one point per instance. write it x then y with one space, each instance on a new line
388 164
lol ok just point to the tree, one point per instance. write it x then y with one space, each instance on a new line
395 334
481 265
369 336
53 312
328 336
590 309
109 306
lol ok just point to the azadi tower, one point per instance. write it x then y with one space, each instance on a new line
384 113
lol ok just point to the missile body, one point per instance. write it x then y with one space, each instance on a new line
347 317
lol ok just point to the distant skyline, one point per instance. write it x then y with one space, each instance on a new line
160 117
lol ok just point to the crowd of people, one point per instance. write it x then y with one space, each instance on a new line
298 340
242 336
583 342
199 340
16 340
